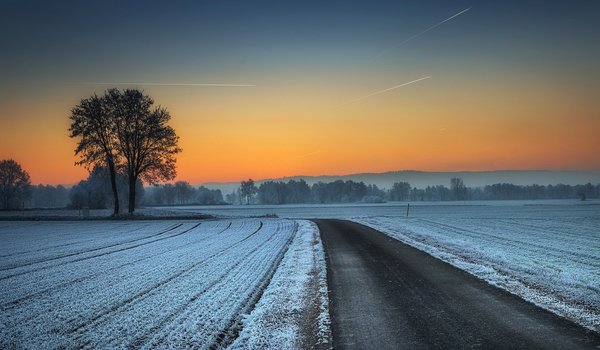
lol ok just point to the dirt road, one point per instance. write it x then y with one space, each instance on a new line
387 295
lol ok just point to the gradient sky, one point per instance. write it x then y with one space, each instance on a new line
513 84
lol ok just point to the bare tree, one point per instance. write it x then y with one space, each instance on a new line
248 189
93 125
400 191
458 188
184 191
147 144
14 183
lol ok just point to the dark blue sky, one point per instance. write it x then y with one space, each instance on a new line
116 39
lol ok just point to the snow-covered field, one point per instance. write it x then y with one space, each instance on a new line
560 207
260 282
545 251
162 284
545 254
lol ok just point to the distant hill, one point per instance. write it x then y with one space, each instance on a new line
421 179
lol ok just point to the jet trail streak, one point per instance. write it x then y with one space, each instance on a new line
423 32
386 90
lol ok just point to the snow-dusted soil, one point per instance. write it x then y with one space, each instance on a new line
550 260
160 284
296 301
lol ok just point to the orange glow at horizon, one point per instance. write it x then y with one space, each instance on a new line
271 132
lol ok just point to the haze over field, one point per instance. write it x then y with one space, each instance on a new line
421 179
274 89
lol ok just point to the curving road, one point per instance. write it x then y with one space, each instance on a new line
387 295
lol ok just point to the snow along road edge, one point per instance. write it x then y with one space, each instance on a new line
507 279
293 312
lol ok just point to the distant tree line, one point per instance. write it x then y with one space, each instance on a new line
182 193
298 191
48 196
95 192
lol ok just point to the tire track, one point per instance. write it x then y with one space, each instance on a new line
173 328
15 303
32 316
228 335
505 243
144 293
143 340
225 229
77 242
39 261
545 229
101 254
578 257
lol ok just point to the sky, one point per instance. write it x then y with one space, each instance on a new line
501 85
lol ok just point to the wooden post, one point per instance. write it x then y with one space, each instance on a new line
407 209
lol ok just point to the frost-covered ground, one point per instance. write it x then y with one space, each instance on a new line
283 313
559 207
549 255
148 284
545 251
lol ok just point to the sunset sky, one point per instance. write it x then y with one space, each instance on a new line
512 84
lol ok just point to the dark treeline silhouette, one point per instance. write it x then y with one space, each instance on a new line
48 196
182 193
95 192
247 190
298 191
15 185
295 192
505 191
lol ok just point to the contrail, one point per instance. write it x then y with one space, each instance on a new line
423 32
159 84
386 90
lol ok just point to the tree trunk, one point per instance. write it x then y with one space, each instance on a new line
113 184
132 182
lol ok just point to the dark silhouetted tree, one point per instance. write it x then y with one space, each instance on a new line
143 139
458 188
47 196
210 197
185 192
14 184
248 189
233 197
94 125
400 191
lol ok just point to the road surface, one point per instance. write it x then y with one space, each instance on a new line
387 295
